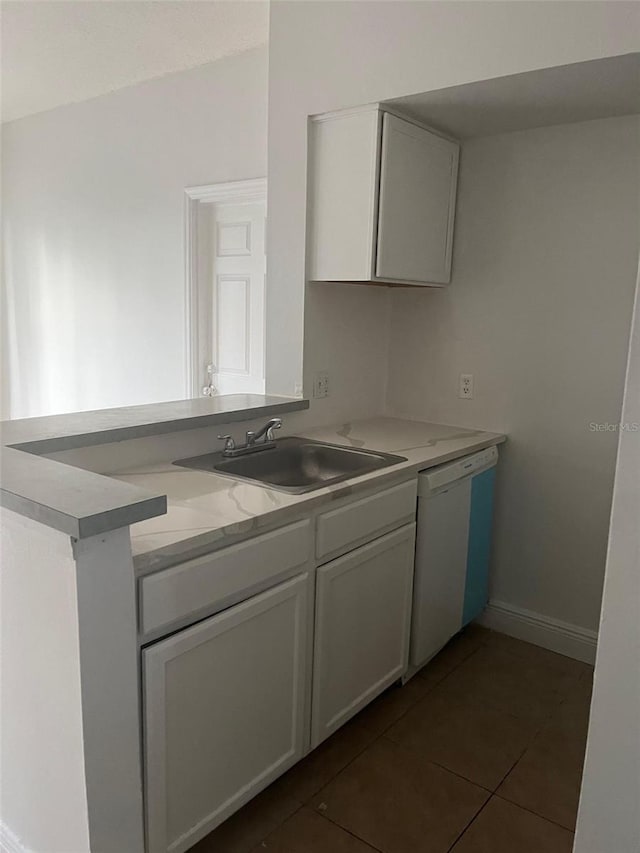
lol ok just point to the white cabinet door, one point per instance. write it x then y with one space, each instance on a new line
418 176
225 710
363 611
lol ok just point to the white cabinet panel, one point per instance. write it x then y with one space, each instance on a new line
363 610
417 200
224 706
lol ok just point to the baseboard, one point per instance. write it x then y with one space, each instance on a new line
9 841
561 637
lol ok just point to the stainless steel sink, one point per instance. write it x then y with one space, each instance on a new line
295 464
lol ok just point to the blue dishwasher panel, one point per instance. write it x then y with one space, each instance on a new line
476 591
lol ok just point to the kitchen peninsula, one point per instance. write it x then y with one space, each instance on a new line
108 548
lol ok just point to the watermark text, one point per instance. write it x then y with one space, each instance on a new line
630 426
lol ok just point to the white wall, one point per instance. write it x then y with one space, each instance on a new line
608 817
538 310
93 212
70 756
347 334
43 800
324 56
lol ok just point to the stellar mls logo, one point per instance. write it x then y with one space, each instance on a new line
621 427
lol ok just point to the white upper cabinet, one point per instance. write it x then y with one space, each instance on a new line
382 199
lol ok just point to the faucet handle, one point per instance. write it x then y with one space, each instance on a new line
229 442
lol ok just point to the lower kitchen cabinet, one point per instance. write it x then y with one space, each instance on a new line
363 617
226 711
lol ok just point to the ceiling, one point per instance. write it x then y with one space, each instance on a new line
567 93
56 52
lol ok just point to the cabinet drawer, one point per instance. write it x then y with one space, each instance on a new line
345 528
217 580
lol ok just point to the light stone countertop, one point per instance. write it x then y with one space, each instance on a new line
81 503
207 510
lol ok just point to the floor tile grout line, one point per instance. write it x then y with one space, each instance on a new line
382 734
263 841
349 832
473 820
415 679
442 767
342 769
481 645
562 697
518 760
439 682
411 707
517 805
379 737
456 774
386 736
540 721
265 838
531 811
491 795
540 725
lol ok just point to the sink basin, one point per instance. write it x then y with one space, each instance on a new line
295 464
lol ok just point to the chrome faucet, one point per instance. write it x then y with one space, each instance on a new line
266 431
252 443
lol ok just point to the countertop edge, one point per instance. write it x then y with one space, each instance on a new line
75 439
85 526
71 500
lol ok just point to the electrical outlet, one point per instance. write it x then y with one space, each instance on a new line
321 384
465 389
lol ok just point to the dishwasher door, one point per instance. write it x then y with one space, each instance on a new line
441 569
453 539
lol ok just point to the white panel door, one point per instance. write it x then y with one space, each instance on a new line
239 269
225 712
418 176
363 614
441 570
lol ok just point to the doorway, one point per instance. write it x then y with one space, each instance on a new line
226 288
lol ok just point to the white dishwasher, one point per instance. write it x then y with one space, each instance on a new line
455 509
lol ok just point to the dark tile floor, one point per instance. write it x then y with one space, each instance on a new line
481 752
